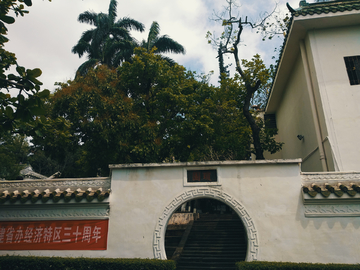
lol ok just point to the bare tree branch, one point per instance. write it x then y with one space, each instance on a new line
234 27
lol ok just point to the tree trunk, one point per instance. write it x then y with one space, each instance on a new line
259 152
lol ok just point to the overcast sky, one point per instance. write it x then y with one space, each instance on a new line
44 37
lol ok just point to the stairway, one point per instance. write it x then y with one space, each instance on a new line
173 237
215 242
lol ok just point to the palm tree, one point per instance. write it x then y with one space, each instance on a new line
109 42
163 44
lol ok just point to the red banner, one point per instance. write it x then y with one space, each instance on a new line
54 235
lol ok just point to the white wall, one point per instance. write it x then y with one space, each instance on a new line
266 194
293 117
269 191
340 100
337 102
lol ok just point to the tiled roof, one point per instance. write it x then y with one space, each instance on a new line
55 190
325 7
53 195
326 189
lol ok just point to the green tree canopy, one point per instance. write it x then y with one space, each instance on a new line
145 111
109 42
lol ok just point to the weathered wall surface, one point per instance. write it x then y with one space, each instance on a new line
265 194
52 211
269 194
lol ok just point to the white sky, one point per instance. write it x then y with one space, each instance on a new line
44 37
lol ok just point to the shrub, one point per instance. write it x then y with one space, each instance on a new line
60 263
293 266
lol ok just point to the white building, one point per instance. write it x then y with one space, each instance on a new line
316 92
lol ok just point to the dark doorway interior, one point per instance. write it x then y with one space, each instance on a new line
205 233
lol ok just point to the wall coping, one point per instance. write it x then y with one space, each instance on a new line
205 163
329 177
61 183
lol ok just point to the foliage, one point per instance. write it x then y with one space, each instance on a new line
59 263
53 149
231 136
99 118
293 266
275 26
254 76
255 69
161 44
145 111
110 42
18 112
14 151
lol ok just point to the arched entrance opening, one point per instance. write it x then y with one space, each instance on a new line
211 193
205 232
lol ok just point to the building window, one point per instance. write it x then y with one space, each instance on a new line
270 121
353 69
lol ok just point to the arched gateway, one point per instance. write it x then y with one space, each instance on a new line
206 192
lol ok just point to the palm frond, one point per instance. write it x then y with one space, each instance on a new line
85 67
119 52
88 17
86 36
109 42
169 60
120 33
153 34
166 44
112 10
130 24
80 48
143 44
102 21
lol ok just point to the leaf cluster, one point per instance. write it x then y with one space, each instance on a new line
17 112
255 70
14 151
144 111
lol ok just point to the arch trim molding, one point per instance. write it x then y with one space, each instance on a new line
213 193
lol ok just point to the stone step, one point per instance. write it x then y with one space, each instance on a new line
204 243
217 223
218 230
219 253
223 227
202 234
215 242
202 249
